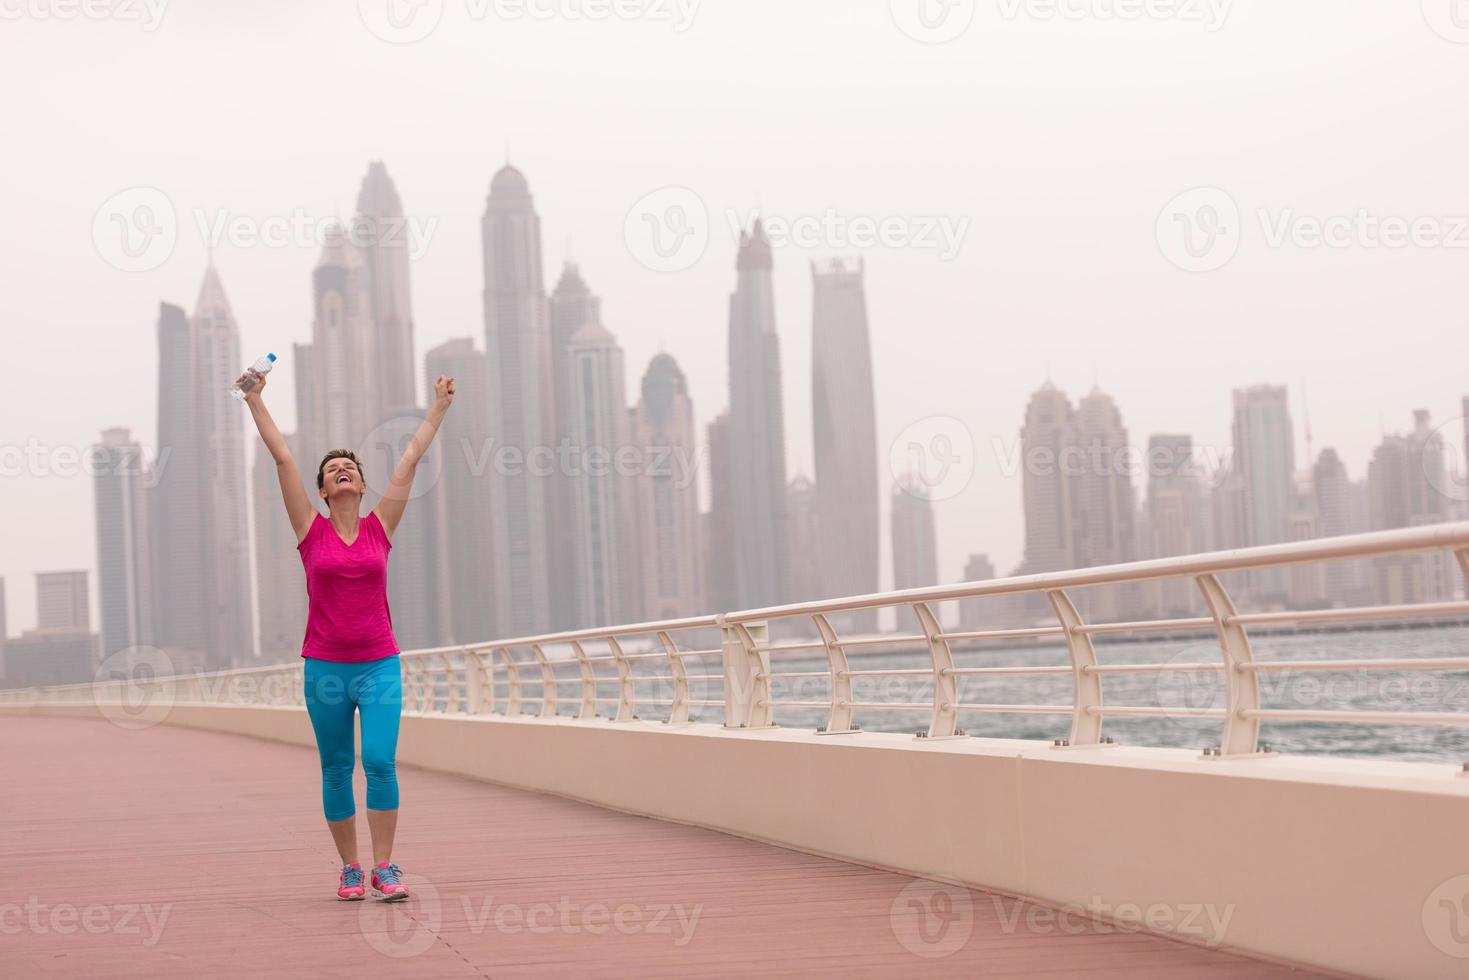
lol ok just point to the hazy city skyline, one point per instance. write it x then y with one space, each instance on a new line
1060 273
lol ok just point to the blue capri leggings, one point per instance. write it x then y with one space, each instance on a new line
334 691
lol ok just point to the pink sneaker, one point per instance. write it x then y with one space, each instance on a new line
350 889
387 883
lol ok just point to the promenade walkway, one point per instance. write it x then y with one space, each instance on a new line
170 852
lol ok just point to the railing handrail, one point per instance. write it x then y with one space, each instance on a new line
1368 544
469 684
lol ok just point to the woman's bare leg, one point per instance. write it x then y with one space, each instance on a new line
344 835
383 826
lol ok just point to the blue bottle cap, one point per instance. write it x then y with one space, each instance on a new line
270 357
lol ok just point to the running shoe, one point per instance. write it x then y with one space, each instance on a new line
387 883
350 889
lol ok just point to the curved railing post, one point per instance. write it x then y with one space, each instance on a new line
478 686
588 707
754 678
839 722
1463 555
944 722
627 695
512 677
679 711
452 688
1086 684
1241 686
548 682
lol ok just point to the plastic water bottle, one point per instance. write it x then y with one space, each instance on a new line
253 373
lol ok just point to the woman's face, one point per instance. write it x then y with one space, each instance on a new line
342 477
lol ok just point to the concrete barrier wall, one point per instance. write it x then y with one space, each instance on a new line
1339 864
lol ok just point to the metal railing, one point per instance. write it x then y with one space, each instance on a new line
603 673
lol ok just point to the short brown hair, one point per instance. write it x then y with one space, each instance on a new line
338 454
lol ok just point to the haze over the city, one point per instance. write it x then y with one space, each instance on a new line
1054 144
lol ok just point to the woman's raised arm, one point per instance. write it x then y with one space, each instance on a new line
390 507
298 505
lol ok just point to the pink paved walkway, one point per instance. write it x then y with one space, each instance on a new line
170 852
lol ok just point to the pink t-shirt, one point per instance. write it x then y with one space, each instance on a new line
348 619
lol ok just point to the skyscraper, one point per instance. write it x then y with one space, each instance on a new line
804 540
522 416
572 307
668 554
346 402
62 603
1175 512
757 429
1103 496
1404 483
476 607
383 232
972 612
417 572
1338 512
1264 459
125 597
280 579
844 425
229 610
176 516
719 523
601 509
1047 441
200 547
915 543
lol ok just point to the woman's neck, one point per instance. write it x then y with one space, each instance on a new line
345 513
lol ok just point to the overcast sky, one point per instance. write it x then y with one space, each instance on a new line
1027 164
